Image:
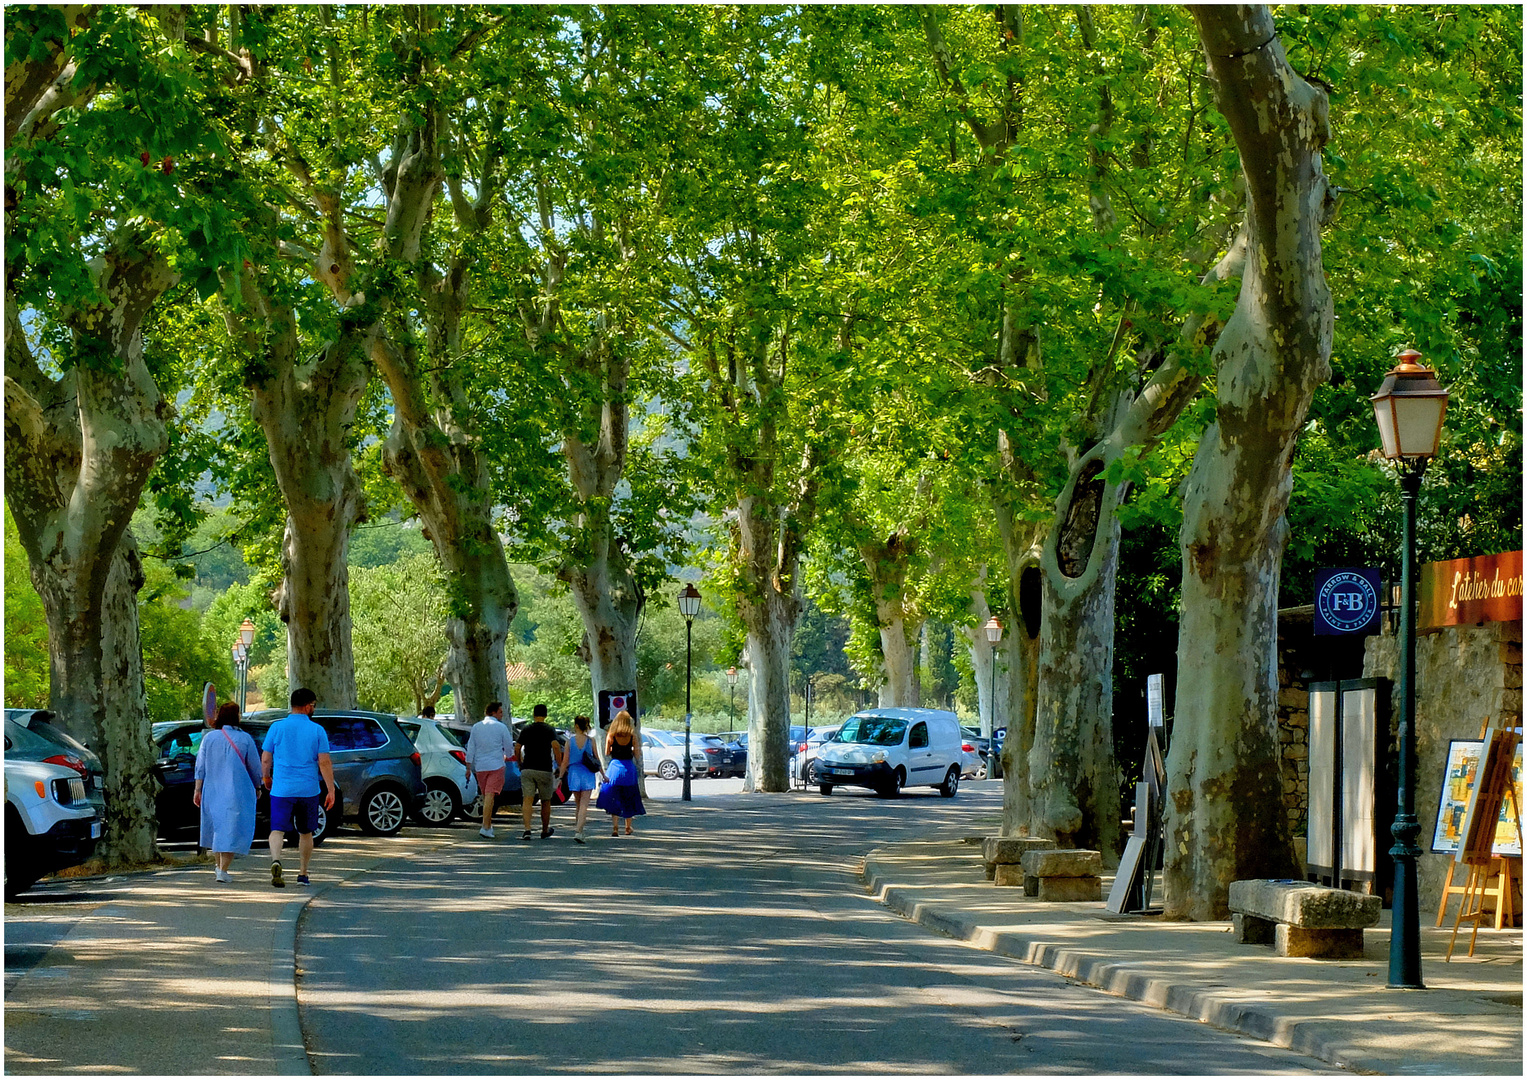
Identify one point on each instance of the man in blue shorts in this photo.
(296, 754)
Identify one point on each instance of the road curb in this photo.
(1124, 980)
(287, 1045)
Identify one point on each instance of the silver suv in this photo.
(49, 821)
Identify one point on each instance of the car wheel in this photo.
(811, 773)
(383, 811)
(328, 820)
(825, 789)
(440, 806)
(668, 770)
(951, 783)
(474, 812)
(893, 789)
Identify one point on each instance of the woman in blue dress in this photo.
(228, 775)
(580, 778)
(621, 798)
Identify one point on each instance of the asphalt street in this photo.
(728, 936)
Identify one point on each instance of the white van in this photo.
(889, 749)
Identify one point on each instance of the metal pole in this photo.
(1405, 924)
(689, 627)
(993, 758)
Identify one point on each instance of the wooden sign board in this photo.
(1457, 784)
(1492, 783)
(1462, 592)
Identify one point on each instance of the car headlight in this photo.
(878, 758)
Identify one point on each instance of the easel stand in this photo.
(1492, 788)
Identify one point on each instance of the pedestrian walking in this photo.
(540, 756)
(489, 748)
(296, 758)
(228, 778)
(621, 797)
(581, 769)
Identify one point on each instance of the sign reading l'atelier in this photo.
(1461, 592)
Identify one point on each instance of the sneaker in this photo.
(547, 832)
(525, 835)
(577, 838)
(485, 832)
(276, 880)
(302, 879)
(221, 875)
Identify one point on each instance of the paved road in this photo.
(731, 936)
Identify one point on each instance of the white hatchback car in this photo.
(451, 787)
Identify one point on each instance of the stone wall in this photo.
(1464, 674)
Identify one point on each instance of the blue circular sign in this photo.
(1347, 600)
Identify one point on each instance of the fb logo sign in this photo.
(1346, 601)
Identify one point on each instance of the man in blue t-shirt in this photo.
(295, 756)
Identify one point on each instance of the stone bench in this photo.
(1299, 918)
(1003, 856)
(1065, 874)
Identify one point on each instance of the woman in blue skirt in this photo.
(621, 798)
(581, 767)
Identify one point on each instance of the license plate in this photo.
(841, 772)
(95, 830)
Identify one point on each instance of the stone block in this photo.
(1007, 874)
(1066, 862)
(1030, 885)
(1250, 930)
(1303, 905)
(1070, 889)
(1011, 849)
(991, 870)
(1319, 944)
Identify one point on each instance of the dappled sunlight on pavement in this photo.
(1469, 1020)
(730, 935)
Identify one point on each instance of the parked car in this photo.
(49, 821)
(376, 766)
(721, 759)
(376, 769)
(61, 749)
(806, 751)
(888, 749)
(974, 748)
(451, 786)
(663, 755)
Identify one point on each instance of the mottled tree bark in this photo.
(887, 562)
(1225, 818)
(78, 452)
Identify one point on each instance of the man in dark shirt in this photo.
(540, 760)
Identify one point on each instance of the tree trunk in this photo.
(78, 452)
(609, 601)
(767, 556)
(898, 646)
(769, 622)
(1225, 818)
(1022, 549)
(1074, 779)
(306, 409)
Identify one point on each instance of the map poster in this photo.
(1457, 782)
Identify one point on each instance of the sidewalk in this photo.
(172, 973)
(1468, 1021)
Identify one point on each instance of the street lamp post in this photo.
(993, 628)
(1409, 408)
(689, 607)
(731, 679)
(246, 640)
(240, 665)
